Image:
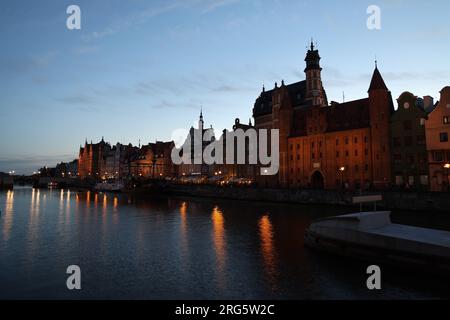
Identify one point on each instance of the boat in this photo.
(113, 186)
(371, 236)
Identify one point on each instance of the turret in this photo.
(314, 89)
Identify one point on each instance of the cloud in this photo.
(143, 16)
(81, 50)
(28, 164)
(25, 64)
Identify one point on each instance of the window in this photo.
(421, 140)
(397, 158)
(446, 120)
(337, 154)
(356, 153)
(422, 122)
(298, 157)
(397, 142)
(398, 180)
(443, 137)
(408, 141)
(366, 152)
(346, 153)
(424, 180)
(337, 142)
(406, 105)
(407, 125)
(356, 140)
(346, 140)
(438, 156)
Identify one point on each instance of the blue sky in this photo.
(142, 69)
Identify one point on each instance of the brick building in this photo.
(408, 143)
(91, 157)
(437, 129)
(327, 145)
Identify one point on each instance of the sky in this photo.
(140, 70)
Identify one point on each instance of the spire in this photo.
(312, 44)
(377, 82)
(264, 88)
(200, 121)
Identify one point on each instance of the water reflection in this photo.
(8, 219)
(267, 249)
(183, 227)
(219, 244)
(33, 222)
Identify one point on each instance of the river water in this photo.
(180, 248)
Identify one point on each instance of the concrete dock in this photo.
(372, 236)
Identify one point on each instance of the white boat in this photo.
(110, 186)
(372, 236)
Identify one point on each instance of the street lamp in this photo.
(447, 167)
(342, 170)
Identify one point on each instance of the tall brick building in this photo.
(327, 145)
(90, 158)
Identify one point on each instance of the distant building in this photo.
(327, 146)
(154, 161)
(193, 168)
(437, 129)
(66, 169)
(91, 158)
(408, 143)
(235, 170)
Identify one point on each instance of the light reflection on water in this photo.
(170, 248)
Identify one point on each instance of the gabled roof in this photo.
(377, 82)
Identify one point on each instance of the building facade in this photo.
(437, 129)
(408, 144)
(327, 146)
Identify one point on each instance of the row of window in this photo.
(356, 170)
(409, 141)
(407, 124)
(346, 141)
(440, 156)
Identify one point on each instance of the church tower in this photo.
(201, 123)
(314, 89)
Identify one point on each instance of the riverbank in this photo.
(392, 200)
(414, 201)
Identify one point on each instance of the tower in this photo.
(200, 121)
(381, 108)
(314, 89)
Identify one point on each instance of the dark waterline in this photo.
(175, 248)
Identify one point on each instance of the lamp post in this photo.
(342, 170)
(447, 169)
(154, 160)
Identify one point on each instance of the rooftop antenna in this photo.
(343, 96)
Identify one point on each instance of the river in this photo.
(181, 248)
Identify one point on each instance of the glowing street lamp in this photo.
(447, 167)
(342, 170)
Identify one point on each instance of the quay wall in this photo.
(418, 201)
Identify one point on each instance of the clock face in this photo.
(406, 105)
